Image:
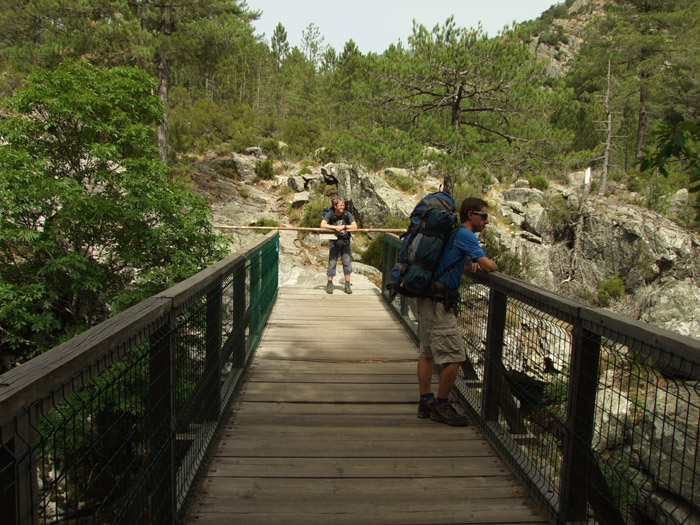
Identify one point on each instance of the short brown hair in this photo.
(471, 204)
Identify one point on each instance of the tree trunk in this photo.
(608, 140)
(163, 61)
(642, 124)
(578, 233)
(449, 183)
(162, 128)
(450, 178)
(456, 114)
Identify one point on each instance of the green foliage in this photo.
(508, 262)
(264, 169)
(553, 36)
(326, 155)
(200, 125)
(379, 147)
(610, 289)
(649, 72)
(263, 221)
(313, 211)
(562, 214)
(539, 182)
(676, 143)
(374, 253)
(558, 10)
(556, 392)
(93, 225)
(301, 135)
(399, 180)
(271, 147)
(463, 190)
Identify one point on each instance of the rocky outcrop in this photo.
(372, 197)
(642, 247)
(234, 166)
(657, 260)
(666, 441)
(305, 179)
(638, 244)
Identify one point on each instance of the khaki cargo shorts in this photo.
(439, 334)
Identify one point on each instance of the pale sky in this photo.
(375, 24)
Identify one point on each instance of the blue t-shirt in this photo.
(465, 243)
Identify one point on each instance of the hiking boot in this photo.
(329, 287)
(425, 409)
(347, 287)
(445, 413)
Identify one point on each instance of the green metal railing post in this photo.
(255, 276)
(579, 467)
(18, 475)
(239, 316)
(493, 365)
(585, 356)
(212, 394)
(162, 418)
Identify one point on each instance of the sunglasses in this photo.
(484, 215)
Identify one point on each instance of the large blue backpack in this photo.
(432, 222)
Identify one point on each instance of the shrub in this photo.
(326, 155)
(301, 135)
(263, 221)
(202, 124)
(549, 38)
(270, 147)
(610, 289)
(508, 262)
(373, 254)
(538, 182)
(264, 169)
(312, 211)
(462, 191)
(402, 182)
(561, 213)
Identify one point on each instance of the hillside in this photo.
(303, 258)
(626, 258)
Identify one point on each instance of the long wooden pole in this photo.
(300, 229)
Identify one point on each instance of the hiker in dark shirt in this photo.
(440, 338)
(340, 221)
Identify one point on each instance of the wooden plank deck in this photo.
(325, 431)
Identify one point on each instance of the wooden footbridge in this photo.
(325, 430)
(231, 399)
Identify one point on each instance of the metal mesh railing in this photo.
(114, 425)
(597, 414)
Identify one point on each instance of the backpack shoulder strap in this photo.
(453, 238)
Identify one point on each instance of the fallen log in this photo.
(301, 229)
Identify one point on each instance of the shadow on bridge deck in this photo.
(325, 431)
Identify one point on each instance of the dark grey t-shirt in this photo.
(346, 218)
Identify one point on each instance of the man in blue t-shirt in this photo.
(440, 338)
